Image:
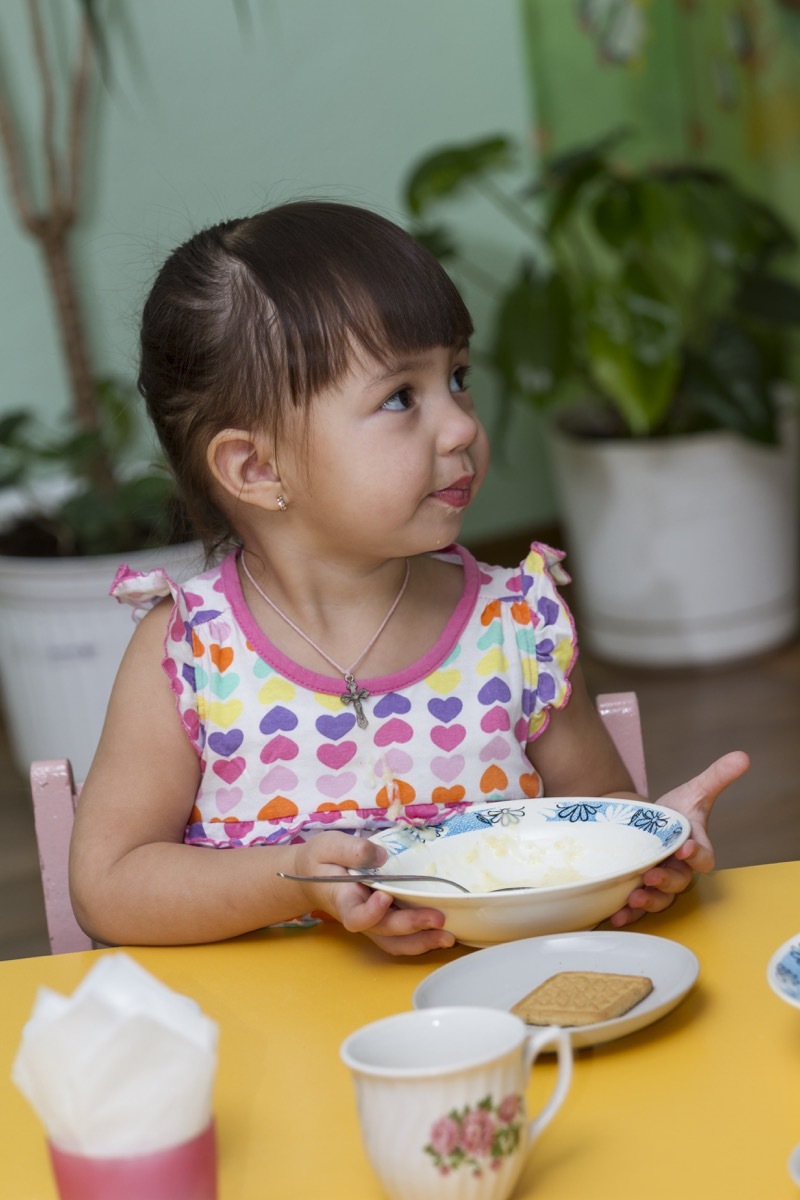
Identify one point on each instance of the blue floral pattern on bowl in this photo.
(662, 823)
(783, 971)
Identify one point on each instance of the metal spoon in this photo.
(385, 878)
(369, 876)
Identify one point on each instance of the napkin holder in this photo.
(187, 1171)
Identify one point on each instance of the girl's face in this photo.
(392, 457)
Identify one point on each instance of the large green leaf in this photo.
(772, 234)
(139, 506)
(565, 178)
(567, 197)
(12, 476)
(769, 298)
(632, 340)
(532, 345)
(740, 231)
(560, 169)
(438, 239)
(724, 386)
(117, 404)
(617, 212)
(639, 214)
(12, 425)
(446, 171)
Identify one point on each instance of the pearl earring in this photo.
(282, 505)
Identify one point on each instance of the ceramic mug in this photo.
(441, 1099)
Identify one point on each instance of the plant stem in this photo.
(60, 273)
(515, 212)
(483, 279)
(51, 226)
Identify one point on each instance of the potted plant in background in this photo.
(648, 308)
(79, 503)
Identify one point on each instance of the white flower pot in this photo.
(61, 641)
(684, 550)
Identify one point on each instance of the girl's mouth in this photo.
(457, 494)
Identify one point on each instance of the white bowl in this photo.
(571, 861)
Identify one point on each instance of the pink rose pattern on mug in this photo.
(476, 1138)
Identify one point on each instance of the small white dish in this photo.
(783, 971)
(794, 1165)
(501, 975)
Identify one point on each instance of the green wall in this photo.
(327, 98)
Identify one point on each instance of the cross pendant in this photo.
(354, 695)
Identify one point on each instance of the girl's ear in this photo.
(243, 464)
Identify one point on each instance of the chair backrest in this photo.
(55, 797)
(620, 713)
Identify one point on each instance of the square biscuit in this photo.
(582, 998)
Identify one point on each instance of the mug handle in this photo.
(555, 1036)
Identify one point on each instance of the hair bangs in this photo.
(337, 279)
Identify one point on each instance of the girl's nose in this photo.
(459, 425)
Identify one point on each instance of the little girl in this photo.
(345, 665)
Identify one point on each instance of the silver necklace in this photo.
(355, 694)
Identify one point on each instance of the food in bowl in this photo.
(571, 862)
(534, 858)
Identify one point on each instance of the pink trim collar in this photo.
(383, 683)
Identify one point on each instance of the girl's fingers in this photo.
(697, 796)
(398, 922)
(660, 885)
(362, 910)
(413, 943)
(671, 876)
(643, 900)
(336, 852)
(697, 854)
(358, 907)
(625, 916)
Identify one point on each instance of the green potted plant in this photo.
(78, 502)
(648, 311)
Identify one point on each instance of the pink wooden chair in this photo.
(55, 797)
(620, 713)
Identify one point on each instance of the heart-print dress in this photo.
(281, 753)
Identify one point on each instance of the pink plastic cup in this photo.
(184, 1172)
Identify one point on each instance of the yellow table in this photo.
(703, 1103)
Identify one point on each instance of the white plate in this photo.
(794, 1165)
(501, 975)
(783, 971)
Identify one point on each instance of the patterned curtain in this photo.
(716, 82)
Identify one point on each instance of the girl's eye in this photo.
(399, 401)
(458, 379)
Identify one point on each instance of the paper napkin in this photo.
(123, 1066)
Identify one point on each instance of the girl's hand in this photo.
(695, 799)
(359, 908)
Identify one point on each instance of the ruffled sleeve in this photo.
(142, 589)
(545, 635)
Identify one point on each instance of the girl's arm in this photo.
(134, 881)
(575, 755)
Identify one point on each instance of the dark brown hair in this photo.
(253, 317)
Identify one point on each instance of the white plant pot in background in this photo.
(684, 550)
(61, 641)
